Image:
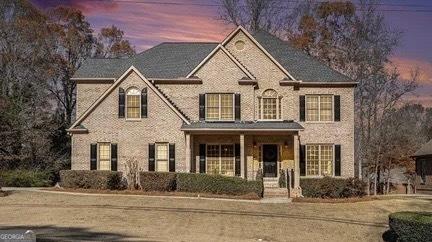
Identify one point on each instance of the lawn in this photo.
(59, 217)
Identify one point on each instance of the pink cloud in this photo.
(407, 65)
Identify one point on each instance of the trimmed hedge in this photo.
(25, 178)
(158, 181)
(329, 187)
(217, 184)
(411, 226)
(91, 179)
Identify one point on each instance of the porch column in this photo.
(188, 153)
(296, 161)
(242, 156)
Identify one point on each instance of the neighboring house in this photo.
(250, 102)
(423, 159)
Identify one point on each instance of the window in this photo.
(319, 108)
(219, 106)
(104, 156)
(220, 159)
(269, 105)
(133, 100)
(161, 157)
(319, 160)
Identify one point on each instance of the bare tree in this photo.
(112, 45)
(132, 173)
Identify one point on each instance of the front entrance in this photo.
(270, 158)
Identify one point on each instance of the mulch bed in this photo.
(333, 200)
(155, 193)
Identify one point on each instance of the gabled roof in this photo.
(425, 150)
(115, 84)
(164, 61)
(171, 60)
(302, 66)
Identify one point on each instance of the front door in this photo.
(270, 157)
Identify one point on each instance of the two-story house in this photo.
(248, 103)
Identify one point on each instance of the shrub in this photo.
(282, 178)
(217, 184)
(91, 179)
(411, 226)
(25, 178)
(158, 181)
(329, 187)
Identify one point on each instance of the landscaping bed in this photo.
(333, 200)
(26, 178)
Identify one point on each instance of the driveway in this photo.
(63, 217)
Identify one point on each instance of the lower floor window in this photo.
(162, 157)
(104, 156)
(220, 159)
(319, 160)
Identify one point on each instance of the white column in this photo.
(242, 156)
(188, 153)
(296, 161)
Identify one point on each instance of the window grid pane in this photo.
(213, 159)
(227, 160)
(312, 106)
(326, 160)
(269, 108)
(312, 160)
(212, 104)
(326, 108)
(104, 156)
(227, 107)
(133, 106)
(161, 157)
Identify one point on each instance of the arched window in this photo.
(133, 102)
(269, 105)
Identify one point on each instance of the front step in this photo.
(271, 182)
(275, 192)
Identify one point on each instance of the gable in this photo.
(134, 74)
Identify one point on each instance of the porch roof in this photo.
(285, 125)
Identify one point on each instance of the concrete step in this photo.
(275, 192)
(271, 184)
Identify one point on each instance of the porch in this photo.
(244, 149)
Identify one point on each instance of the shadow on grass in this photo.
(390, 236)
(214, 212)
(54, 233)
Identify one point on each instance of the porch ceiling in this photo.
(270, 126)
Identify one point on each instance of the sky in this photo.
(149, 22)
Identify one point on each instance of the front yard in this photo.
(55, 216)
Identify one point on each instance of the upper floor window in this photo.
(219, 106)
(319, 108)
(133, 103)
(270, 105)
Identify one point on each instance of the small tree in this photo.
(132, 173)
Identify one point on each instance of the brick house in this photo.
(248, 103)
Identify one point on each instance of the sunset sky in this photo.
(149, 22)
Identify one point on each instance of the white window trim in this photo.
(156, 155)
(219, 108)
(98, 154)
(220, 156)
(126, 103)
(319, 161)
(319, 108)
(261, 108)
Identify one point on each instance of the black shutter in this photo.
(337, 160)
(114, 157)
(237, 107)
(93, 156)
(202, 161)
(337, 114)
(237, 159)
(202, 107)
(151, 157)
(144, 103)
(302, 108)
(172, 157)
(121, 107)
(302, 160)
